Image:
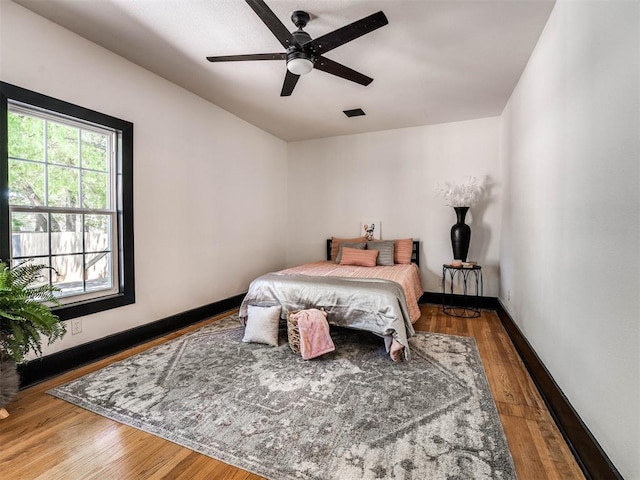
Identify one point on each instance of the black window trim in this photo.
(126, 289)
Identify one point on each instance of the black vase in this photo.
(460, 235)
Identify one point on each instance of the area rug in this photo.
(351, 414)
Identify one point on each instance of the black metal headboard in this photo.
(415, 254)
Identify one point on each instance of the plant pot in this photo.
(9, 381)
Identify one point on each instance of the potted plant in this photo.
(25, 320)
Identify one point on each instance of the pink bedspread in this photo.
(407, 275)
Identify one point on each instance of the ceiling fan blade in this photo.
(272, 22)
(335, 68)
(290, 81)
(347, 33)
(254, 56)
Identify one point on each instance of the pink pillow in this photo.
(335, 244)
(363, 258)
(403, 250)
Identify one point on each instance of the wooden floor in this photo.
(48, 438)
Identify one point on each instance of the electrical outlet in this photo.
(508, 295)
(76, 326)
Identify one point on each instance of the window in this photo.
(66, 178)
(62, 200)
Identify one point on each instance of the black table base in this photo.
(465, 304)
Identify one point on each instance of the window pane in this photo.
(45, 272)
(26, 183)
(97, 236)
(26, 137)
(30, 235)
(95, 186)
(95, 150)
(68, 274)
(62, 144)
(67, 236)
(63, 187)
(98, 268)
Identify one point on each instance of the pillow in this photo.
(363, 258)
(403, 250)
(359, 246)
(262, 325)
(335, 244)
(385, 247)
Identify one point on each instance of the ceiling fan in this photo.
(304, 53)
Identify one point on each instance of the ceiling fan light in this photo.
(299, 66)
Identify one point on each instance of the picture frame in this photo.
(371, 229)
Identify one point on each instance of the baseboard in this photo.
(593, 461)
(49, 366)
(489, 303)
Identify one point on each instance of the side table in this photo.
(469, 280)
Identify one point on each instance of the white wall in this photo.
(336, 182)
(201, 173)
(570, 253)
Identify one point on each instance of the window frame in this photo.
(124, 194)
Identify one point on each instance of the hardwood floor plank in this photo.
(522, 411)
(505, 385)
(86, 461)
(528, 463)
(201, 467)
(158, 457)
(555, 447)
(47, 438)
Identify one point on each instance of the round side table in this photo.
(465, 300)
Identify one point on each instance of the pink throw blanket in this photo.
(314, 333)
(394, 348)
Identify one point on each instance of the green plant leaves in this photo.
(24, 316)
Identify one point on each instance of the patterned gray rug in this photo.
(351, 414)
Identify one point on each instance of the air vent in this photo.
(356, 112)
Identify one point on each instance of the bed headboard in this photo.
(415, 254)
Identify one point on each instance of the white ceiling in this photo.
(435, 62)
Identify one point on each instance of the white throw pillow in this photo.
(262, 325)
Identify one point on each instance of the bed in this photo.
(379, 299)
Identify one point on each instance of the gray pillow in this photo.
(358, 245)
(385, 249)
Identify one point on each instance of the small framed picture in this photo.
(371, 229)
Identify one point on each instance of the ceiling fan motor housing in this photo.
(298, 51)
(301, 37)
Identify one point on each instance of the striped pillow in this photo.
(359, 246)
(403, 250)
(363, 258)
(385, 247)
(335, 244)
